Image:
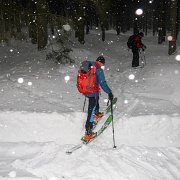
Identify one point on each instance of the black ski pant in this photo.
(135, 61)
(93, 108)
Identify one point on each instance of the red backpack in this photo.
(86, 79)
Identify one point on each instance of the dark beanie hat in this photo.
(101, 59)
(141, 34)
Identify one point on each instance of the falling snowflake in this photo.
(20, 80)
(103, 67)
(131, 76)
(67, 27)
(178, 57)
(139, 12)
(79, 18)
(30, 83)
(106, 100)
(67, 78)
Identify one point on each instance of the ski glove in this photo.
(110, 96)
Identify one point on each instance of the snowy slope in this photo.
(41, 117)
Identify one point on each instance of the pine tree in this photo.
(103, 8)
(59, 50)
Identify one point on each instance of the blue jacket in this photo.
(100, 78)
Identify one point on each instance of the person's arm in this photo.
(102, 81)
(142, 45)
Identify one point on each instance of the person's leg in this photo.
(91, 110)
(97, 105)
(135, 61)
(97, 114)
(137, 56)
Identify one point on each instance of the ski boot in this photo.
(89, 135)
(98, 116)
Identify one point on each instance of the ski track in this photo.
(127, 162)
(123, 162)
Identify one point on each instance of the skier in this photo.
(93, 106)
(135, 43)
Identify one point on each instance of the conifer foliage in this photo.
(36, 18)
(59, 46)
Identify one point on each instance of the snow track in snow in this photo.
(147, 148)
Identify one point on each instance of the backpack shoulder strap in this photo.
(97, 66)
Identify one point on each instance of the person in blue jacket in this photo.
(93, 107)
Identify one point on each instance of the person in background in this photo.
(135, 44)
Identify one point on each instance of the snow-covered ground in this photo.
(41, 114)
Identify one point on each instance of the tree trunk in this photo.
(32, 21)
(136, 24)
(33, 28)
(178, 19)
(87, 28)
(103, 32)
(161, 26)
(154, 23)
(123, 22)
(80, 20)
(118, 28)
(42, 35)
(173, 27)
(146, 18)
(87, 17)
(2, 28)
(81, 32)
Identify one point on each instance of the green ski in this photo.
(101, 130)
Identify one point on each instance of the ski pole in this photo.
(108, 103)
(140, 56)
(144, 58)
(112, 124)
(84, 103)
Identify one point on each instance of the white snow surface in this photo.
(41, 114)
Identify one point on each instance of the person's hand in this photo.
(110, 96)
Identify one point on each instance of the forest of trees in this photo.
(41, 17)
